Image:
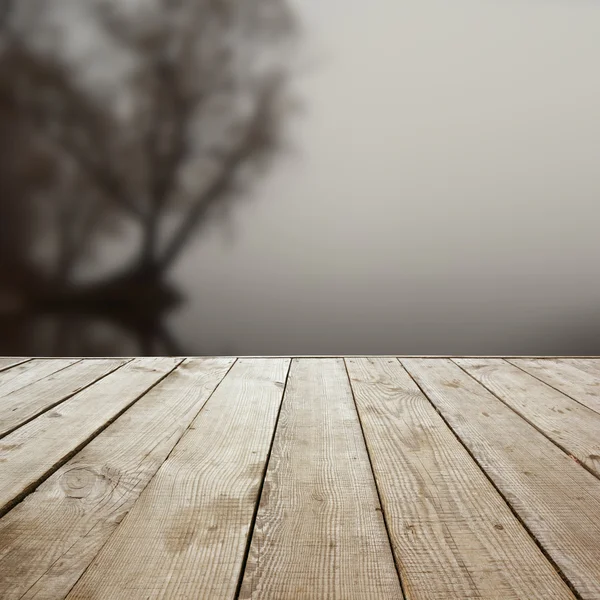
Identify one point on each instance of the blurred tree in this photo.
(197, 115)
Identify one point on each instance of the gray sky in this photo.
(444, 194)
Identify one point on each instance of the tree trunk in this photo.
(147, 266)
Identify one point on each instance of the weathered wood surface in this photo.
(572, 426)
(32, 452)
(27, 402)
(574, 381)
(557, 499)
(6, 363)
(65, 522)
(260, 477)
(443, 514)
(319, 530)
(186, 535)
(591, 365)
(25, 374)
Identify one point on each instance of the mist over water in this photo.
(438, 192)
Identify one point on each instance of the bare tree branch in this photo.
(74, 115)
(143, 145)
(255, 140)
(102, 178)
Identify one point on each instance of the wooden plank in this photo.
(16, 371)
(25, 374)
(186, 535)
(453, 535)
(7, 363)
(590, 365)
(557, 499)
(66, 521)
(32, 452)
(574, 427)
(576, 383)
(319, 531)
(24, 404)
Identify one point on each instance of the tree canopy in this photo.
(161, 118)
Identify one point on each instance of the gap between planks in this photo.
(30, 454)
(565, 527)
(7, 363)
(363, 433)
(27, 403)
(571, 426)
(443, 514)
(67, 520)
(377, 488)
(577, 390)
(319, 531)
(187, 533)
(261, 488)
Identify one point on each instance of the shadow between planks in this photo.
(310, 477)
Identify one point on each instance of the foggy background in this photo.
(428, 184)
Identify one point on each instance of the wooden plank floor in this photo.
(300, 478)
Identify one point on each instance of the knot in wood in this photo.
(79, 482)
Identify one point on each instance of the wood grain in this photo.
(65, 522)
(574, 427)
(34, 451)
(7, 363)
(319, 530)
(186, 535)
(579, 384)
(557, 499)
(591, 365)
(122, 509)
(23, 375)
(25, 403)
(444, 516)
